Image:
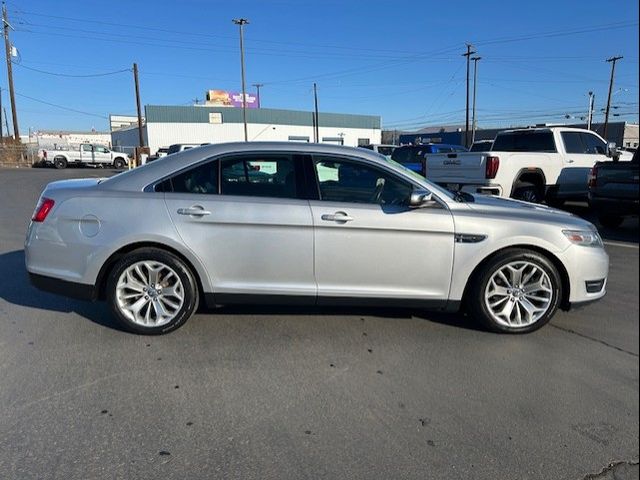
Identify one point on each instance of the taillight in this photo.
(44, 154)
(42, 209)
(593, 176)
(492, 165)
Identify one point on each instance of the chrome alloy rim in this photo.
(149, 293)
(518, 294)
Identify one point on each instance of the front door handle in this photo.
(195, 211)
(570, 161)
(340, 217)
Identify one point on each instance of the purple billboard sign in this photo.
(223, 98)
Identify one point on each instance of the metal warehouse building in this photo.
(167, 125)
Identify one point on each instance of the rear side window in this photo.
(201, 179)
(525, 142)
(259, 176)
(593, 144)
(573, 142)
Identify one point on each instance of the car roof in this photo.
(140, 177)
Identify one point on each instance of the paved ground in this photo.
(305, 393)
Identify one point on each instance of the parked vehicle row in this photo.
(311, 224)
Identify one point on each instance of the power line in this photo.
(62, 107)
(56, 74)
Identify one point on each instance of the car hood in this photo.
(503, 207)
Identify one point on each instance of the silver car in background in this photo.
(305, 224)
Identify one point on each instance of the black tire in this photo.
(610, 221)
(527, 192)
(60, 163)
(475, 301)
(119, 163)
(190, 289)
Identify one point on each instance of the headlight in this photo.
(585, 238)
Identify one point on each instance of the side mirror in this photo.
(421, 198)
(612, 150)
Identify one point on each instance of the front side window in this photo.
(201, 179)
(87, 148)
(593, 144)
(352, 182)
(259, 176)
(573, 142)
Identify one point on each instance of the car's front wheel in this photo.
(516, 291)
(152, 291)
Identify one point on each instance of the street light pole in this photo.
(475, 81)
(258, 85)
(590, 114)
(466, 130)
(241, 22)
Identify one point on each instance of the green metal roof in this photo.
(268, 116)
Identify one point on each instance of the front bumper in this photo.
(586, 267)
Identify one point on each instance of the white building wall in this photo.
(165, 134)
(126, 139)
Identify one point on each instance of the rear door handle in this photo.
(195, 211)
(336, 217)
(570, 161)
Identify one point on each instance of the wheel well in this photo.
(564, 275)
(103, 275)
(534, 177)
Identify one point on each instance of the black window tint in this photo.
(573, 142)
(201, 179)
(163, 186)
(352, 182)
(593, 144)
(259, 176)
(525, 142)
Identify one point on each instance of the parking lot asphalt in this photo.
(305, 393)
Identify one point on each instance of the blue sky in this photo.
(401, 60)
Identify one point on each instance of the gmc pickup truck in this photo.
(614, 191)
(531, 164)
(87, 154)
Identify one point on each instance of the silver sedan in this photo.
(306, 224)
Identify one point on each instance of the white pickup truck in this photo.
(87, 154)
(531, 164)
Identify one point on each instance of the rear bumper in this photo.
(481, 188)
(80, 291)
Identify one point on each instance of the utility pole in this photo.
(475, 81)
(6, 121)
(315, 110)
(590, 114)
(241, 22)
(138, 105)
(612, 61)
(1, 129)
(470, 52)
(258, 85)
(12, 95)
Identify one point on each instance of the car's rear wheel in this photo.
(152, 291)
(119, 163)
(516, 291)
(60, 162)
(528, 192)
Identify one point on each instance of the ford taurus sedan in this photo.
(310, 224)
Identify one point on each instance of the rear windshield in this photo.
(524, 142)
(173, 149)
(405, 155)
